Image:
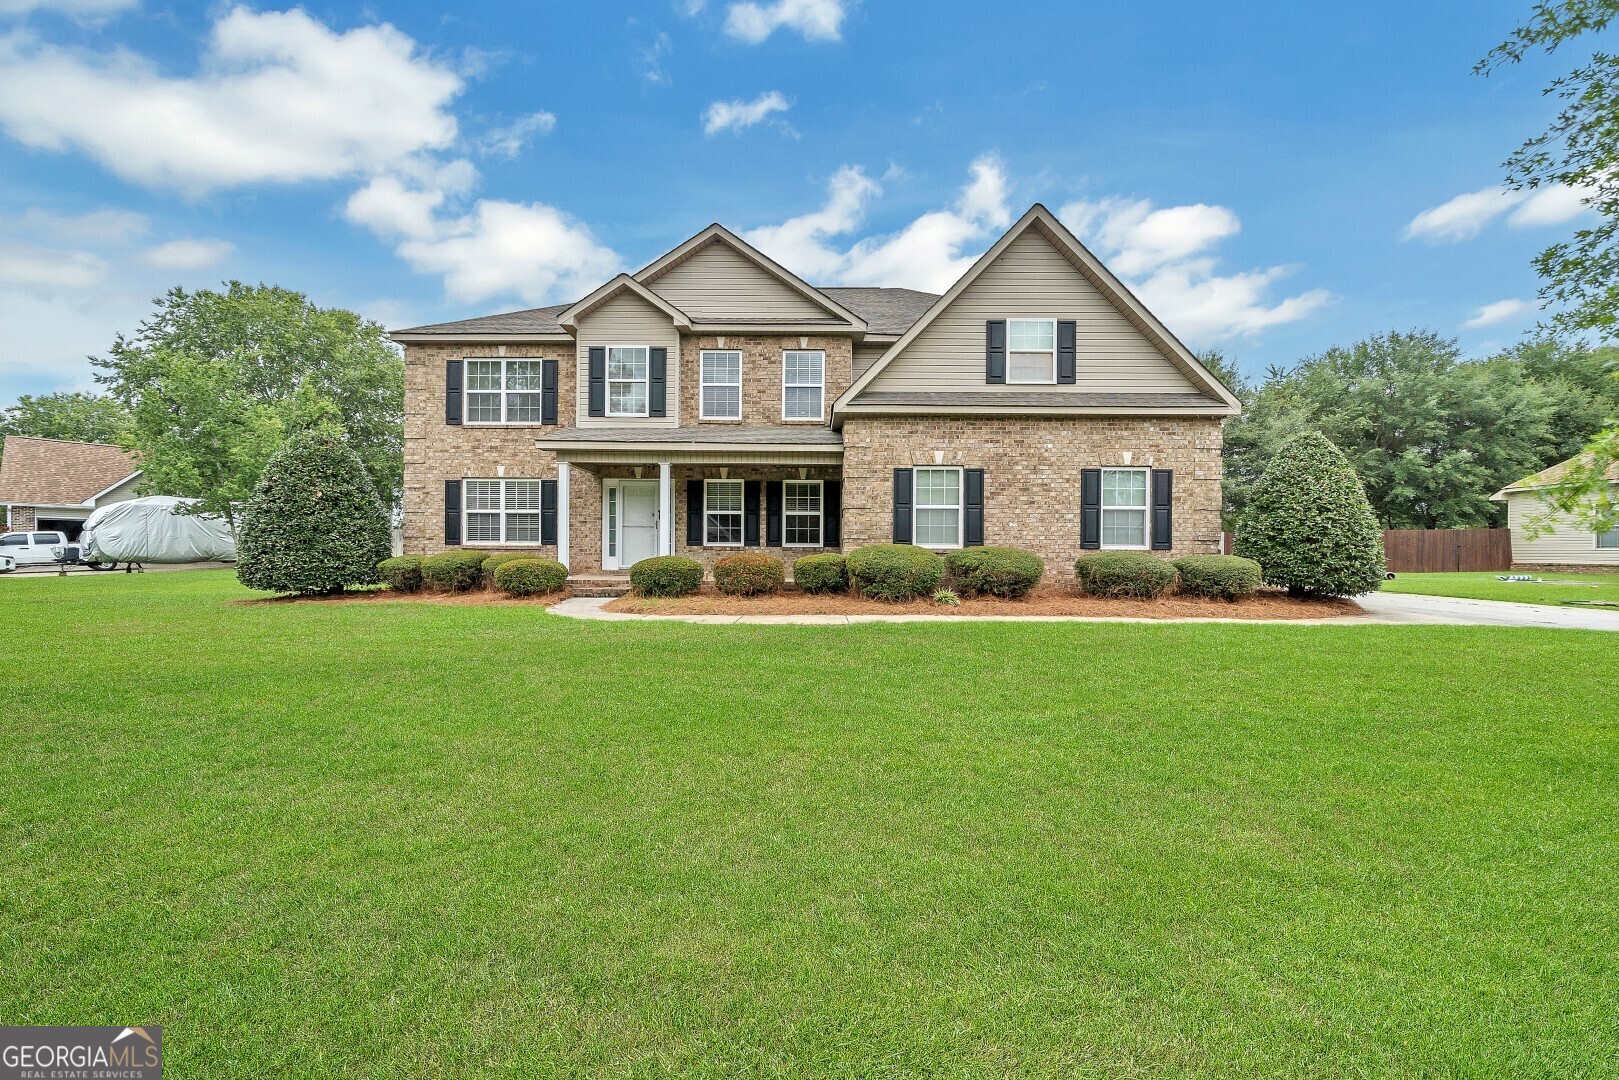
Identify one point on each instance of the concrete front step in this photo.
(598, 585)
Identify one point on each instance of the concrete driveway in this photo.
(1411, 608)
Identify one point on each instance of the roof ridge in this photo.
(76, 442)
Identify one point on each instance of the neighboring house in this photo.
(1560, 540)
(56, 483)
(714, 402)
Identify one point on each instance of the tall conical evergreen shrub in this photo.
(314, 524)
(1308, 524)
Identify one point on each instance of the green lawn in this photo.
(1489, 587)
(430, 840)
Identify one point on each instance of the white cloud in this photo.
(816, 20)
(1466, 215)
(81, 10)
(740, 115)
(1165, 257)
(280, 98)
(509, 140)
(46, 271)
(188, 254)
(1499, 312)
(94, 227)
(652, 56)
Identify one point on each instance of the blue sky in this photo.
(1272, 178)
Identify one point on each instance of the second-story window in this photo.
(626, 380)
(722, 384)
(504, 391)
(1031, 350)
(803, 384)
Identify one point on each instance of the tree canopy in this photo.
(82, 417)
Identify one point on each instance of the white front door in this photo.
(637, 521)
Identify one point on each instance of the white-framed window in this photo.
(501, 511)
(627, 380)
(721, 378)
(803, 384)
(1609, 539)
(936, 510)
(801, 513)
(1124, 508)
(722, 513)
(612, 521)
(503, 391)
(1031, 350)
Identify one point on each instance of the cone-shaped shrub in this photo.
(314, 524)
(1308, 524)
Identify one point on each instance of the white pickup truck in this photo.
(28, 548)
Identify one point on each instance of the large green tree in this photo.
(83, 417)
(215, 381)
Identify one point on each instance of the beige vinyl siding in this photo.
(122, 493)
(865, 356)
(627, 319)
(1032, 279)
(1567, 542)
(718, 284)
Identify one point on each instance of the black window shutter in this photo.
(750, 512)
(452, 511)
(995, 351)
(1067, 347)
(694, 513)
(452, 391)
(548, 392)
(832, 514)
(1163, 524)
(972, 524)
(657, 381)
(773, 495)
(902, 506)
(598, 380)
(548, 511)
(1090, 508)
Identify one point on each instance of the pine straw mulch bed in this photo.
(1268, 604)
(385, 595)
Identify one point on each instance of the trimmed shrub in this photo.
(456, 570)
(824, 573)
(1218, 577)
(894, 571)
(314, 523)
(530, 577)
(994, 571)
(491, 563)
(666, 575)
(403, 574)
(1308, 524)
(749, 573)
(1124, 573)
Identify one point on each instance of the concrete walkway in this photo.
(1456, 611)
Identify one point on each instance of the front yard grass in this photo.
(381, 839)
(1597, 586)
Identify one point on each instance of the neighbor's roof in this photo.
(56, 472)
(1552, 474)
(886, 311)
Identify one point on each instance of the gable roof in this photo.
(569, 317)
(60, 472)
(530, 322)
(719, 234)
(1553, 473)
(1111, 288)
(886, 311)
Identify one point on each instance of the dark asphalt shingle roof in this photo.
(740, 436)
(1052, 399)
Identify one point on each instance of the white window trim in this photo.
(702, 383)
(1145, 508)
(820, 515)
(742, 514)
(646, 381)
(1010, 319)
(503, 393)
(502, 512)
(960, 506)
(820, 417)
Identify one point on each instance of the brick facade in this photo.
(22, 517)
(761, 375)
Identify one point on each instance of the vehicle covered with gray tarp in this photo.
(151, 530)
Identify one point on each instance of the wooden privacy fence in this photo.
(1439, 551)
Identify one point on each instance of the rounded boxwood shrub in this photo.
(314, 523)
(824, 573)
(491, 563)
(749, 573)
(894, 571)
(1218, 577)
(1308, 524)
(1124, 573)
(994, 571)
(524, 576)
(456, 570)
(666, 575)
(402, 574)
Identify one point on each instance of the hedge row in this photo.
(1138, 574)
(459, 570)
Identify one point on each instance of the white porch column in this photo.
(562, 513)
(666, 511)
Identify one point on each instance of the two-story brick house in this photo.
(714, 401)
